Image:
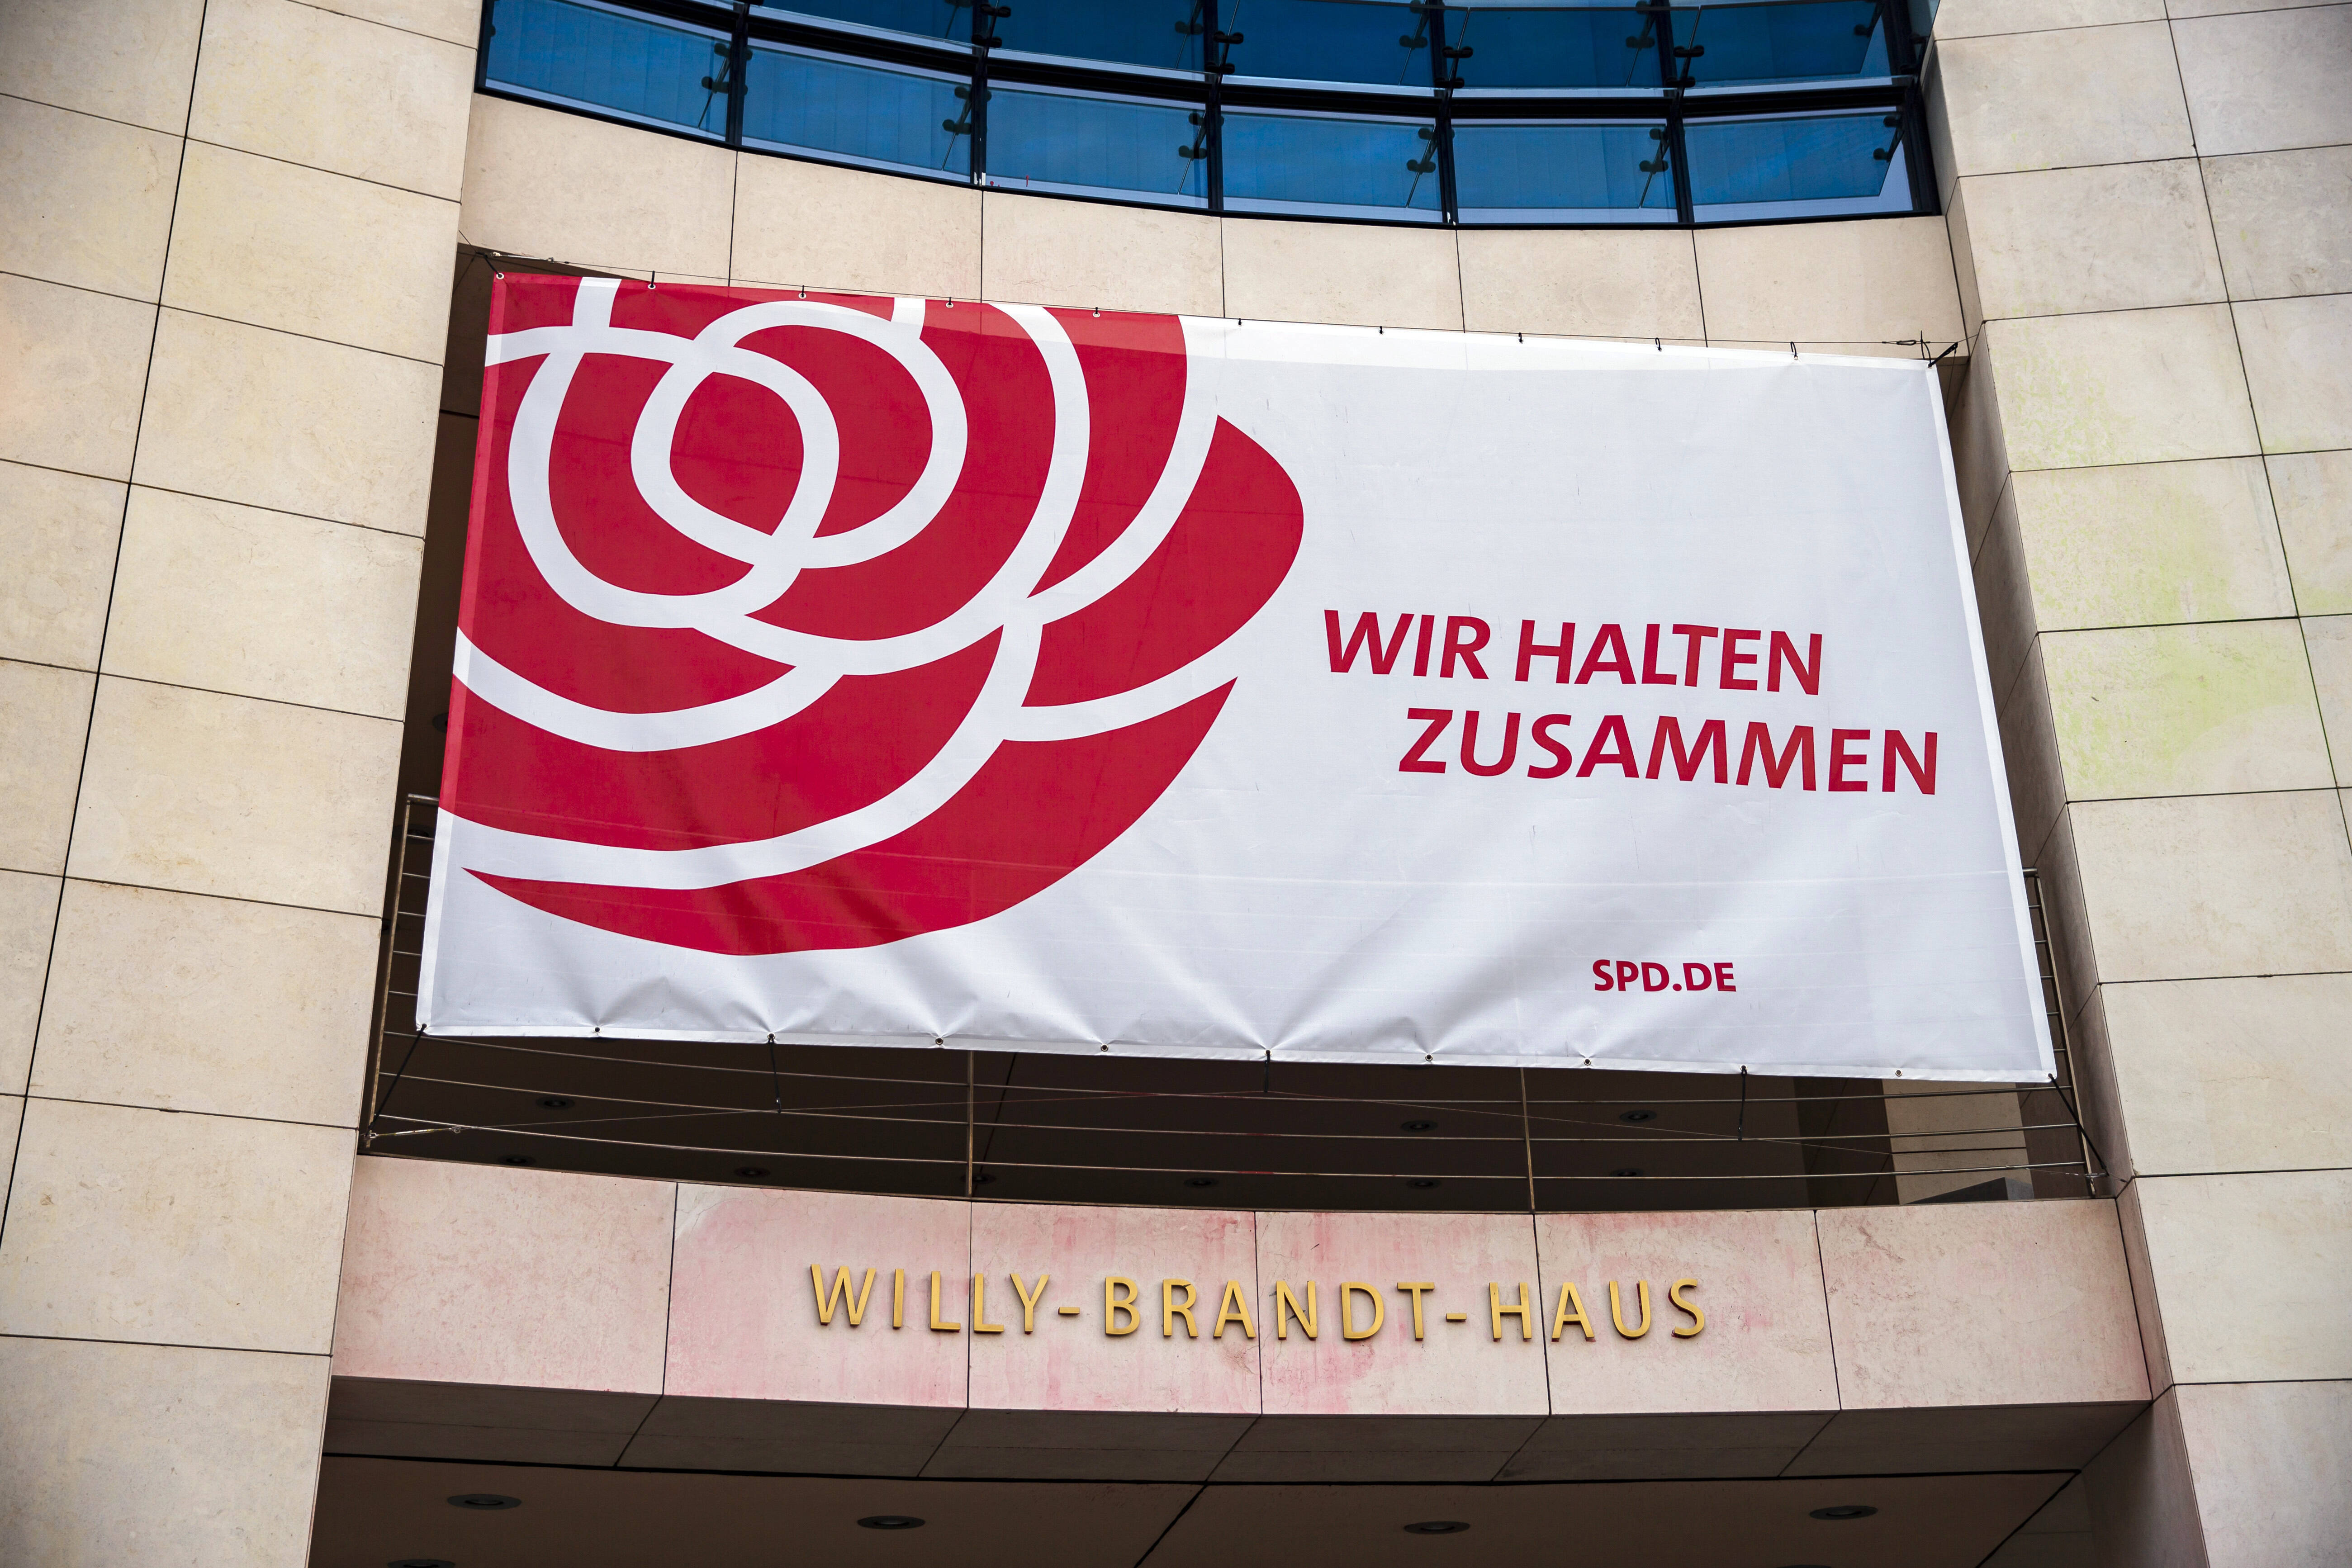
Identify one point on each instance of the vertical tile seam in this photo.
(1829, 1326)
(89, 724)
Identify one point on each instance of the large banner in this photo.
(899, 671)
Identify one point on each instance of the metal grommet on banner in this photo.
(1793, 351)
(803, 291)
(1097, 310)
(1659, 345)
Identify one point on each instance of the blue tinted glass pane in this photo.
(820, 104)
(1328, 40)
(1062, 141)
(590, 56)
(1812, 40)
(1541, 46)
(1381, 167)
(1592, 174)
(1796, 168)
(924, 19)
(1162, 33)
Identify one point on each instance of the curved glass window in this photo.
(1490, 112)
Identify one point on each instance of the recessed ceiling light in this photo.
(1637, 1116)
(1845, 1510)
(1436, 1527)
(982, 1178)
(1421, 1126)
(889, 1521)
(556, 1102)
(515, 1160)
(1626, 1171)
(1199, 1181)
(484, 1502)
(750, 1173)
(1423, 1182)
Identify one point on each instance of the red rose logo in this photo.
(798, 622)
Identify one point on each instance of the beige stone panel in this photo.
(1581, 283)
(2313, 492)
(1861, 284)
(2253, 1271)
(2185, 710)
(1370, 275)
(60, 531)
(2151, 544)
(2200, 887)
(368, 101)
(459, 1273)
(11, 1116)
(2262, 81)
(84, 201)
(543, 183)
(2283, 221)
(455, 21)
(880, 233)
(87, 355)
(1980, 447)
(1964, 265)
(2272, 1460)
(290, 423)
(208, 794)
(2044, 242)
(1043, 251)
(1985, 18)
(155, 1454)
(272, 244)
(1937, 1304)
(2029, 745)
(2328, 639)
(2143, 1497)
(264, 603)
(1947, 1137)
(136, 67)
(45, 713)
(2127, 386)
(2234, 1075)
(28, 911)
(2018, 102)
(2004, 597)
(137, 1225)
(269, 1006)
(2295, 368)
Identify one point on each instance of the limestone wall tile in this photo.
(1980, 447)
(270, 419)
(2206, 886)
(484, 1274)
(2029, 745)
(1459, 1369)
(740, 1329)
(1084, 253)
(275, 1004)
(84, 201)
(1964, 265)
(2294, 366)
(2270, 1460)
(768, 1435)
(2283, 221)
(333, 93)
(1945, 1304)
(2004, 597)
(87, 354)
(2142, 1494)
(2328, 639)
(2044, 242)
(2126, 386)
(1867, 284)
(2016, 101)
(2259, 82)
(540, 182)
(12, 1117)
(28, 914)
(264, 603)
(268, 242)
(2313, 492)
(202, 793)
(2185, 710)
(2252, 1270)
(1983, 18)
(884, 233)
(454, 21)
(1361, 274)
(497, 1422)
(61, 530)
(2234, 1075)
(138, 1224)
(2151, 544)
(1765, 1342)
(115, 1453)
(1581, 283)
(1169, 1362)
(136, 68)
(45, 713)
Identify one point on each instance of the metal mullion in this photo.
(1212, 109)
(1670, 80)
(1441, 142)
(738, 69)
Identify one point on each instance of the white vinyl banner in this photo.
(898, 672)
